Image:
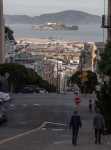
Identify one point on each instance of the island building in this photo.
(2, 34)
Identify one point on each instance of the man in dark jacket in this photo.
(75, 123)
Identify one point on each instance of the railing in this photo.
(106, 21)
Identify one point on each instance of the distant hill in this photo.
(69, 17)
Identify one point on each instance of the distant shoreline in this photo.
(86, 33)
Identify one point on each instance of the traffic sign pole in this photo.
(77, 101)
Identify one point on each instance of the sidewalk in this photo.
(86, 139)
(89, 96)
(85, 142)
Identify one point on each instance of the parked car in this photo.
(30, 89)
(3, 115)
(4, 96)
(26, 90)
(76, 92)
(62, 92)
(1, 101)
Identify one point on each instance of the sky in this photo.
(39, 7)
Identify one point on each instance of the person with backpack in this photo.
(75, 123)
(98, 124)
(90, 106)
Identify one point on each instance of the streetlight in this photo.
(57, 76)
(82, 84)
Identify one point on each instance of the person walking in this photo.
(98, 123)
(75, 123)
(90, 106)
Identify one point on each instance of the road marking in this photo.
(36, 104)
(63, 142)
(22, 134)
(57, 123)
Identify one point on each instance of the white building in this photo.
(9, 53)
(74, 62)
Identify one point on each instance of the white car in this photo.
(76, 92)
(4, 96)
(41, 90)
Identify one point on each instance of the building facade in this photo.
(106, 18)
(2, 33)
(109, 19)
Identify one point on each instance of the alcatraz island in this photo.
(54, 26)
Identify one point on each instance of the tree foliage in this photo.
(91, 83)
(17, 73)
(8, 28)
(104, 64)
(104, 104)
(104, 95)
(19, 76)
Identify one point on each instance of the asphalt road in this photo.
(36, 120)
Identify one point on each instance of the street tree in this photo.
(49, 87)
(17, 74)
(104, 95)
(32, 76)
(91, 83)
(104, 64)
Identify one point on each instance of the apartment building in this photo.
(48, 72)
(9, 52)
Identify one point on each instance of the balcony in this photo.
(106, 21)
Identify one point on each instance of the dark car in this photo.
(62, 92)
(30, 89)
(3, 115)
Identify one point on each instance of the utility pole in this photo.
(2, 35)
(57, 75)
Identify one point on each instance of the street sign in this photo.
(84, 74)
(85, 79)
(77, 100)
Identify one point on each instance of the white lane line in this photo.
(43, 129)
(36, 104)
(57, 129)
(57, 123)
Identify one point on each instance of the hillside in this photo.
(69, 17)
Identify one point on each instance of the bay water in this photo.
(88, 33)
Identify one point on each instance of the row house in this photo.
(48, 72)
(9, 52)
(43, 67)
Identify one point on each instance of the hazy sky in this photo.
(38, 7)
